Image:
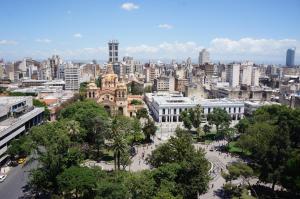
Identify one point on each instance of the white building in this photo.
(17, 116)
(255, 76)
(233, 74)
(72, 77)
(204, 57)
(246, 73)
(167, 107)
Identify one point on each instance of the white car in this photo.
(2, 177)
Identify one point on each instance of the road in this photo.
(15, 185)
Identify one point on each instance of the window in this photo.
(163, 111)
(116, 47)
(110, 47)
(208, 110)
(175, 111)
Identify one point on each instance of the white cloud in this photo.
(129, 6)
(249, 48)
(77, 35)
(8, 42)
(165, 26)
(141, 49)
(43, 41)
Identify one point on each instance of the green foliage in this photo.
(21, 94)
(220, 118)
(39, 103)
(84, 112)
(243, 125)
(273, 139)
(78, 181)
(187, 123)
(136, 102)
(141, 185)
(142, 113)
(135, 88)
(192, 169)
(51, 142)
(19, 147)
(148, 89)
(149, 130)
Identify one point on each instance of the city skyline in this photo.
(153, 30)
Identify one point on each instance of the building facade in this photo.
(72, 77)
(112, 94)
(290, 57)
(204, 57)
(167, 107)
(17, 116)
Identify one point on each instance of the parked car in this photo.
(2, 177)
(21, 160)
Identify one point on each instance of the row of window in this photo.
(209, 110)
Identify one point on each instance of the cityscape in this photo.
(147, 112)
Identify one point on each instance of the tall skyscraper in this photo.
(113, 51)
(72, 77)
(233, 74)
(203, 57)
(290, 57)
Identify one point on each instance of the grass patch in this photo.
(233, 148)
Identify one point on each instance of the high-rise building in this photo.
(246, 73)
(203, 57)
(255, 77)
(290, 57)
(72, 77)
(233, 74)
(113, 51)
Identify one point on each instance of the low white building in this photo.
(166, 107)
(17, 116)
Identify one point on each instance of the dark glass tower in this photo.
(290, 57)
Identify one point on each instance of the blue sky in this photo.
(259, 30)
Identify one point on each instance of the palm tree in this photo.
(119, 146)
(73, 128)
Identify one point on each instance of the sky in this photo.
(257, 30)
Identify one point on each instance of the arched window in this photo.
(90, 95)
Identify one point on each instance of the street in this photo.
(14, 186)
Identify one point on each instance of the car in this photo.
(2, 177)
(21, 160)
(211, 149)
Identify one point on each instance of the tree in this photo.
(219, 118)
(135, 134)
(84, 112)
(149, 130)
(242, 125)
(141, 185)
(269, 141)
(51, 143)
(100, 133)
(196, 116)
(192, 178)
(142, 113)
(206, 128)
(73, 128)
(186, 120)
(39, 103)
(148, 89)
(77, 181)
(239, 169)
(19, 147)
(119, 131)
